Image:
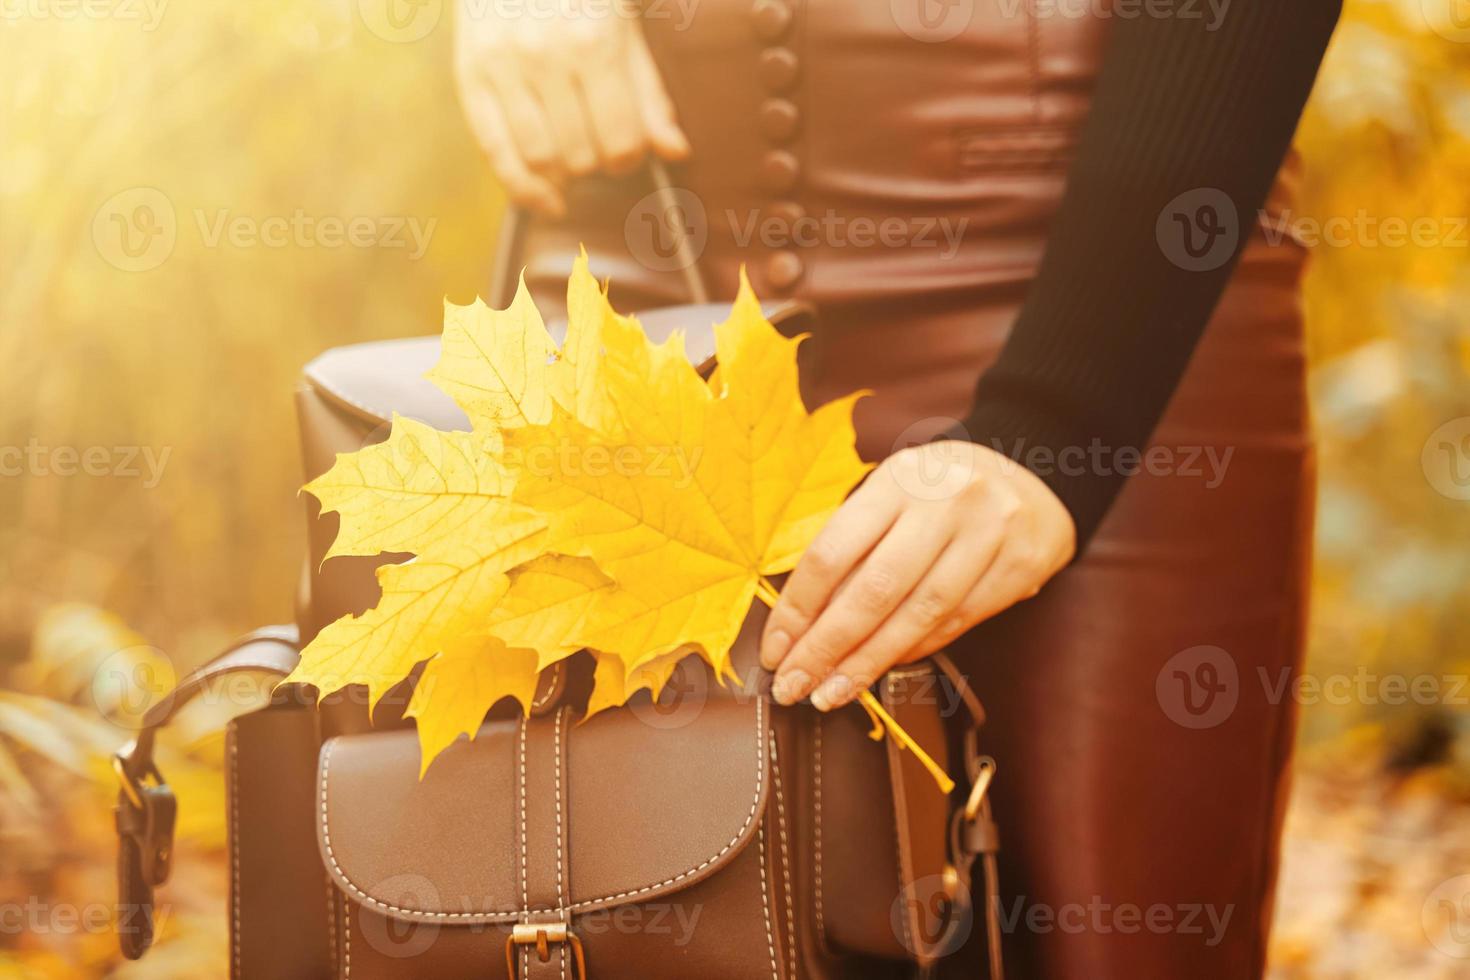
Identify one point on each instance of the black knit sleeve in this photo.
(1184, 118)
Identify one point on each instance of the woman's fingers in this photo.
(936, 608)
(898, 573)
(528, 125)
(567, 117)
(851, 533)
(883, 582)
(557, 97)
(493, 132)
(613, 110)
(654, 104)
(1013, 576)
(550, 72)
(1017, 573)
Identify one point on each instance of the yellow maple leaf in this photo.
(444, 497)
(607, 498)
(414, 490)
(544, 605)
(477, 668)
(700, 496)
(460, 684)
(496, 364)
(613, 683)
(604, 359)
(427, 604)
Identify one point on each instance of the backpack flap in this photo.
(546, 842)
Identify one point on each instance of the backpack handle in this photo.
(146, 807)
(510, 252)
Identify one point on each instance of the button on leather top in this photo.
(788, 213)
(777, 69)
(783, 269)
(779, 118)
(771, 18)
(779, 171)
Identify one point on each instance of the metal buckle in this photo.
(542, 935)
(951, 881)
(985, 772)
(131, 787)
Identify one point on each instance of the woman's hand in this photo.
(558, 91)
(938, 538)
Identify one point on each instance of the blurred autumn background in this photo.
(154, 515)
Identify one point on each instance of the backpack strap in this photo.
(973, 833)
(146, 807)
(509, 251)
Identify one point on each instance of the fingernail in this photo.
(833, 693)
(791, 686)
(775, 648)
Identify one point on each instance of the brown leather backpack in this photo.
(710, 834)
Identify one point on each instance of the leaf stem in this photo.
(765, 591)
(895, 731)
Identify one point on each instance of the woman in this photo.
(1031, 229)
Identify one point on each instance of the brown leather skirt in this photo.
(897, 164)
